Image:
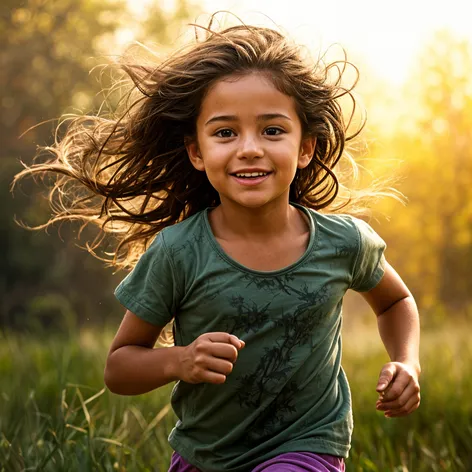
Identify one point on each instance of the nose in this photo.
(250, 148)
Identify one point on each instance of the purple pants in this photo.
(289, 462)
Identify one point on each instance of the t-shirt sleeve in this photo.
(149, 290)
(369, 265)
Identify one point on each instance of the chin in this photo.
(254, 200)
(254, 203)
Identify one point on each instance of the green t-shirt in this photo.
(287, 391)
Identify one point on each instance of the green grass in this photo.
(438, 436)
(56, 416)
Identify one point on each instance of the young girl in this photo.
(223, 164)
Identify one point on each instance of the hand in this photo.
(399, 390)
(209, 358)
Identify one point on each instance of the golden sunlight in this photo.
(384, 35)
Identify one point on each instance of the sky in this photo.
(387, 35)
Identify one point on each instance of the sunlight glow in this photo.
(385, 35)
(124, 36)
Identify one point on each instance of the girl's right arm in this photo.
(133, 365)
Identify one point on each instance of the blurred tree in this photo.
(433, 235)
(161, 26)
(44, 62)
(48, 49)
(45, 58)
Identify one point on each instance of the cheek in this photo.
(215, 156)
(215, 169)
(286, 155)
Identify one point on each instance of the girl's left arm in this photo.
(399, 328)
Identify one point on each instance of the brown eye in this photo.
(273, 131)
(224, 133)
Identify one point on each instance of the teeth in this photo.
(253, 174)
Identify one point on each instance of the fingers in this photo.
(211, 370)
(220, 366)
(225, 338)
(211, 377)
(396, 386)
(386, 377)
(223, 351)
(408, 408)
(223, 345)
(210, 358)
(402, 395)
(407, 402)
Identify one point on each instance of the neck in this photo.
(234, 221)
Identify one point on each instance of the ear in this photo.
(307, 149)
(194, 154)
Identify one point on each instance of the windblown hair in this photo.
(130, 174)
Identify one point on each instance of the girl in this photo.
(223, 164)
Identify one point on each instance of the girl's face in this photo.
(249, 141)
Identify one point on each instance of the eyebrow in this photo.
(265, 117)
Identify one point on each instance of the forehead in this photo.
(250, 94)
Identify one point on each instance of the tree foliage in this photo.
(432, 236)
(49, 49)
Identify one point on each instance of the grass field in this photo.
(55, 414)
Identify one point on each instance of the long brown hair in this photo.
(130, 174)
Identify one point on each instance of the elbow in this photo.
(108, 379)
(111, 379)
(116, 379)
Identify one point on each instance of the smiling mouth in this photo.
(250, 175)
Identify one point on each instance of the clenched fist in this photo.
(209, 358)
(399, 389)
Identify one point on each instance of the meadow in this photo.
(56, 415)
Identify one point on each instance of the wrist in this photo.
(413, 363)
(173, 367)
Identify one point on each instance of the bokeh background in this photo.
(57, 310)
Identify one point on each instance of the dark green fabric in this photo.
(288, 391)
